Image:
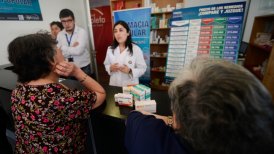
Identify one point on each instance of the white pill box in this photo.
(124, 99)
(146, 105)
(127, 89)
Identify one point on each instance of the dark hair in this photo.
(66, 13)
(129, 39)
(222, 108)
(32, 55)
(57, 23)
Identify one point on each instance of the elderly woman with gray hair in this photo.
(218, 108)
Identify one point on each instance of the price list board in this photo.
(212, 31)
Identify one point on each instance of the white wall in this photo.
(50, 12)
(254, 10)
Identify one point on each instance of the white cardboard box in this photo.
(124, 99)
(147, 105)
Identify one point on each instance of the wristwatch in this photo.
(169, 121)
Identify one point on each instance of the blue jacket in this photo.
(148, 135)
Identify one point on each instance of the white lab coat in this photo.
(135, 61)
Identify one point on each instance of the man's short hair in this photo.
(66, 13)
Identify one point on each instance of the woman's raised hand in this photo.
(65, 68)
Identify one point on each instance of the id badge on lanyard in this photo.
(70, 59)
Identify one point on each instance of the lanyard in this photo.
(69, 39)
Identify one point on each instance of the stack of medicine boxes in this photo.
(141, 95)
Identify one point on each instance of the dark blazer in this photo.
(148, 135)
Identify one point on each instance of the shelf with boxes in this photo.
(161, 12)
(158, 52)
(259, 58)
(160, 28)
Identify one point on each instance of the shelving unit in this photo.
(160, 28)
(158, 43)
(157, 57)
(160, 48)
(260, 57)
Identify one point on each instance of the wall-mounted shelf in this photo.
(160, 29)
(161, 57)
(167, 28)
(158, 43)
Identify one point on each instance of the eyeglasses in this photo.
(67, 21)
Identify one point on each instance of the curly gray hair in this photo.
(222, 108)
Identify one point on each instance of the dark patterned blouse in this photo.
(49, 118)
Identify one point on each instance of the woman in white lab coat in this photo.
(124, 61)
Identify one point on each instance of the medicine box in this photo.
(147, 105)
(138, 93)
(146, 89)
(123, 99)
(127, 89)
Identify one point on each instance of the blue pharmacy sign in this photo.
(139, 24)
(23, 10)
(212, 31)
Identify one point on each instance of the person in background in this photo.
(73, 42)
(124, 61)
(218, 108)
(55, 28)
(49, 117)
